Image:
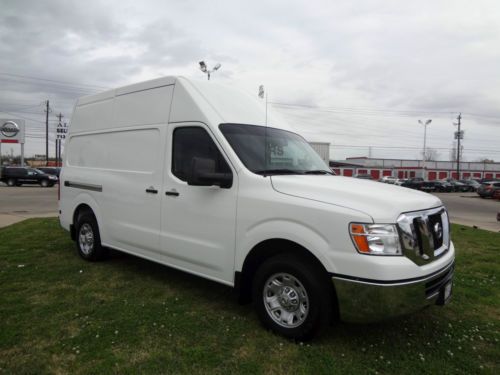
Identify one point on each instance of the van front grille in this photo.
(425, 235)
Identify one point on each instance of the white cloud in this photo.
(434, 57)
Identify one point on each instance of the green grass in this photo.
(60, 314)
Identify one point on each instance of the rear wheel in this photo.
(11, 182)
(88, 239)
(292, 297)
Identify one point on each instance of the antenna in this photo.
(263, 94)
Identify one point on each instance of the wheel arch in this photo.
(84, 202)
(265, 250)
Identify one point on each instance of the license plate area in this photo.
(445, 293)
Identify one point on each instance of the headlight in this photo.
(52, 177)
(375, 239)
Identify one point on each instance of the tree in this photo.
(453, 153)
(431, 154)
(485, 160)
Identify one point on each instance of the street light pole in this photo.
(459, 137)
(425, 140)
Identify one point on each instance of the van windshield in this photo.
(269, 151)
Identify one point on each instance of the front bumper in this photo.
(364, 301)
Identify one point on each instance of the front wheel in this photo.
(44, 183)
(292, 297)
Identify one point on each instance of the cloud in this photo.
(436, 58)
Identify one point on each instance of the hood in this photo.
(383, 202)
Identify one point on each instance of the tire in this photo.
(88, 239)
(11, 182)
(44, 183)
(293, 297)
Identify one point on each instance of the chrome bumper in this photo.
(364, 301)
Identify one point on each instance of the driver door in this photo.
(198, 222)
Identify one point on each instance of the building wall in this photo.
(323, 150)
(434, 170)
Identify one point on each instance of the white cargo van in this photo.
(190, 175)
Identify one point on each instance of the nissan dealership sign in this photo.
(11, 131)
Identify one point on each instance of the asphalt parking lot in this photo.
(19, 203)
(470, 209)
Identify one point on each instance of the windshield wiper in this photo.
(318, 171)
(278, 171)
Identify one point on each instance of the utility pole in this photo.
(58, 141)
(47, 133)
(459, 136)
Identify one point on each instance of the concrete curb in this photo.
(7, 219)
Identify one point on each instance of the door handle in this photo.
(172, 193)
(151, 190)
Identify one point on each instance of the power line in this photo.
(375, 111)
(55, 81)
(23, 117)
(360, 109)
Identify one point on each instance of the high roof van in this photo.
(197, 176)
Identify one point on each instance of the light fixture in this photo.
(425, 139)
(203, 66)
(204, 69)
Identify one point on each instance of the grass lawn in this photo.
(60, 314)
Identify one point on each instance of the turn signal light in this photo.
(359, 237)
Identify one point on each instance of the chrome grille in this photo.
(425, 235)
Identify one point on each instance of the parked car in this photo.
(460, 187)
(496, 194)
(400, 181)
(483, 180)
(472, 185)
(55, 171)
(443, 186)
(249, 204)
(457, 185)
(17, 176)
(388, 179)
(487, 189)
(364, 176)
(418, 183)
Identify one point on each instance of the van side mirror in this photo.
(202, 173)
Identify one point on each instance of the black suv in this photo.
(55, 171)
(16, 176)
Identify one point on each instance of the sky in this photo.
(356, 74)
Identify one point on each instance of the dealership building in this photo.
(401, 168)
